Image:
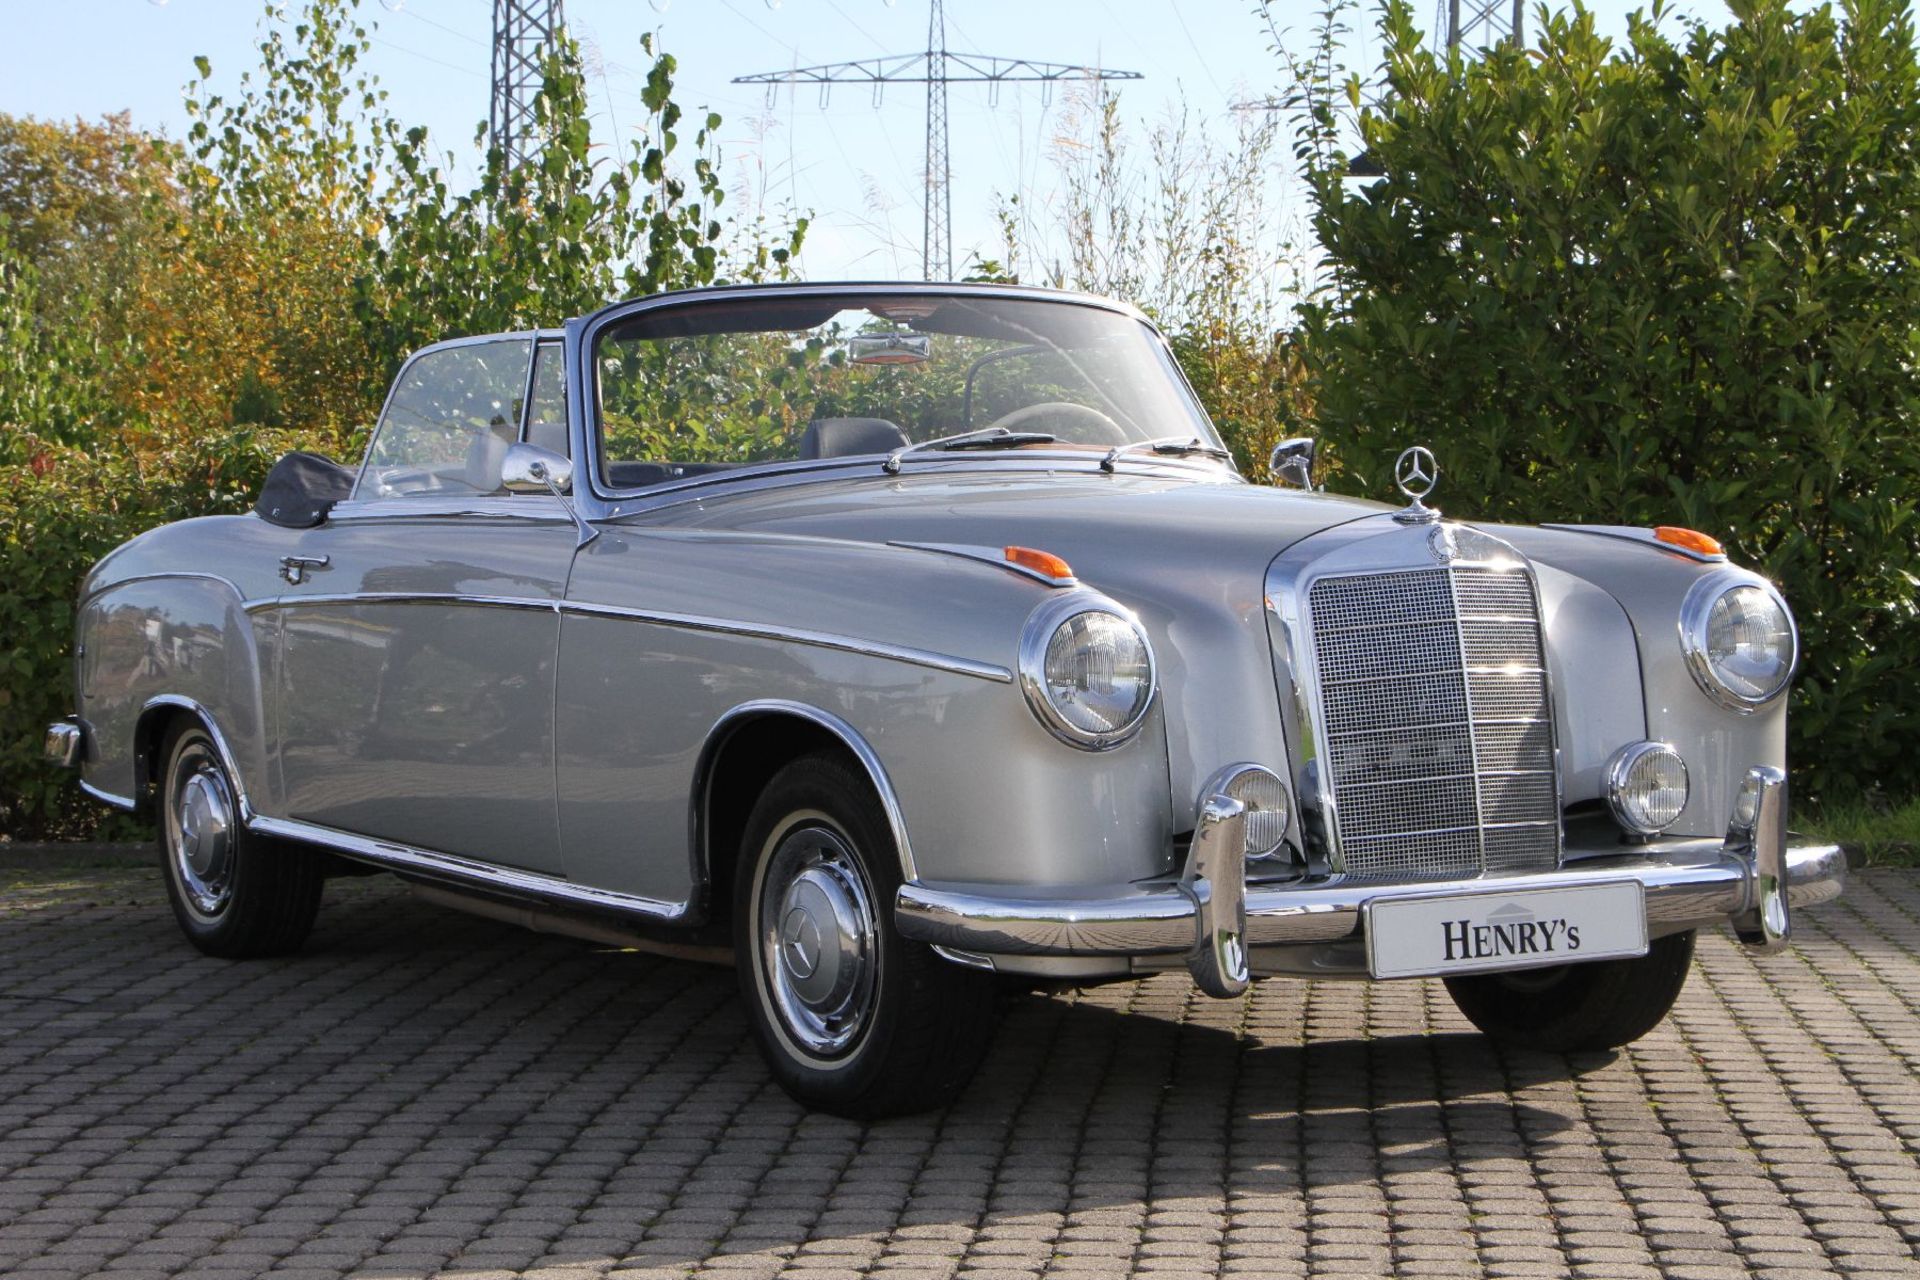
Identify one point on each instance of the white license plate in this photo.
(1518, 929)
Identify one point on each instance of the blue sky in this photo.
(856, 167)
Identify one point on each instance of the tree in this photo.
(1666, 283)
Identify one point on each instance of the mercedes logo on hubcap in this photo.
(800, 943)
(1416, 472)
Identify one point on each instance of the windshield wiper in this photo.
(985, 438)
(1166, 445)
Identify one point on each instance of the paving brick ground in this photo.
(421, 1093)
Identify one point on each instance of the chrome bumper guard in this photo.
(1752, 879)
(63, 744)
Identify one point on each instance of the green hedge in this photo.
(60, 511)
(1673, 282)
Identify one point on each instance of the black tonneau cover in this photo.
(301, 489)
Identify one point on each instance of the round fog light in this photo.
(1268, 807)
(1647, 787)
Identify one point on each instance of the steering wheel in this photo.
(1078, 423)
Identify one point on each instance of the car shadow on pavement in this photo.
(422, 1092)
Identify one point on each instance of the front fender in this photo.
(148, 646)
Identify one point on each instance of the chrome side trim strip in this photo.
(107, 797)
(477, 506)
(849, 737)
(1626, 533)
(995, 556)
(798, 635)
(453, 869)
(401, 597)
(683, 621)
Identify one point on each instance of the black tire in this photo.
(235, 894)
(915, 1033)
(1601, 1005)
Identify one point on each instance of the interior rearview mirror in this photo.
(889, 348)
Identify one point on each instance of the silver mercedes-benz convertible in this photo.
(883, 639)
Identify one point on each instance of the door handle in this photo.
(295, 568)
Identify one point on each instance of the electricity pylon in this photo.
(936, 68)
(1481, 24)
(524, 33)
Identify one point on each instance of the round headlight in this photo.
(1647, 787)
(1087, 670)
(1267, 803)
(1739, 640)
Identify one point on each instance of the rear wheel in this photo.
(235, 894)
(852, 1018)
(1601, 1005)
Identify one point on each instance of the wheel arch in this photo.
(742, 752)
(157, 714)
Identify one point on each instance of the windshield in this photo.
(729, 382)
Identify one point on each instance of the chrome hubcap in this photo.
(200, 829)
(819, 940)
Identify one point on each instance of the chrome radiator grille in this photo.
(1435, 721)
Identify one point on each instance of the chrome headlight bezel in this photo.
(1696, 614)
(1035, 638)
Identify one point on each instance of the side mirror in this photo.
(1292, 461)
(528, 468)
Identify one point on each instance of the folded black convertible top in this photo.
(301, 489)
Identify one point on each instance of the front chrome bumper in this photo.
(1751, 879)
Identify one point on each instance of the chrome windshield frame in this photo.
(609, 501)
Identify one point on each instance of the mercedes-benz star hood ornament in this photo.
(1415, 473)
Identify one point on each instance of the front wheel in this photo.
(1600, 1005)
(235, 894)
(852, 1018)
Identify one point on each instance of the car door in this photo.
(418, 639)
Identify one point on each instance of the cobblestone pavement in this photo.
(422, 1093)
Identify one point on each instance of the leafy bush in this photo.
(60, 511)
(1666, 283)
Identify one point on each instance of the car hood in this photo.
(1136, 536)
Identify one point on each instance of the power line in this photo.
(936, 67)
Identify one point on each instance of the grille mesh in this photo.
(1434, 705)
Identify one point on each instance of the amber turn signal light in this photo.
(1044, 563)
(1688, 540)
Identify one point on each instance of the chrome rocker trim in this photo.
(1751, 879)
(465, 873)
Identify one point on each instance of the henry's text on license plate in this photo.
(1514, 929)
